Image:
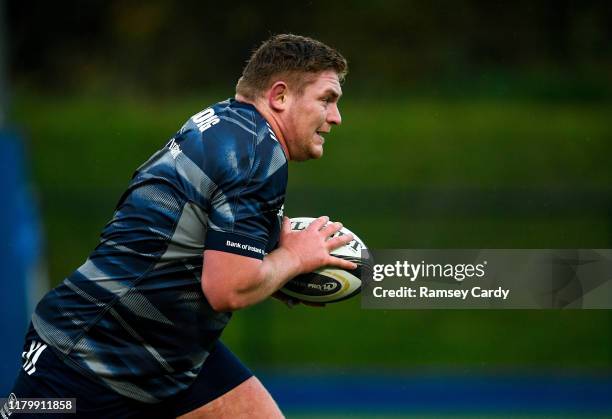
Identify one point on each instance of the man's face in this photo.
(310, 116)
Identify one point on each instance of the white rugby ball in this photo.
(329, 284)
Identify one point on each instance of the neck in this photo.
(270, 117)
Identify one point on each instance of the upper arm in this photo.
(244, 217)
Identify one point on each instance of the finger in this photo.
(331, 228)
(339, 241)
(317, 224)
(341, 263)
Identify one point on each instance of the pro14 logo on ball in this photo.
(329, 284)
(318, 287)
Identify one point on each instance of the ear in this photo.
(278, 96)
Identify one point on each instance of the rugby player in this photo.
(199, 233)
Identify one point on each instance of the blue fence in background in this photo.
(496, 394)
(20, 244)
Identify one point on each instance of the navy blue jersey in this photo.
(134, 315)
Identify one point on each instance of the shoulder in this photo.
(231, 139)
(219, 125)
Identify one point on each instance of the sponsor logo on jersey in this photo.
(205, 119)
(242, 246)
(31, 357)
(174, 147)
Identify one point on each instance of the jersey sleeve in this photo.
(246, 209)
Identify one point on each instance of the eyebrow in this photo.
(334, 94)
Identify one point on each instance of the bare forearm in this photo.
(231, 282)
(276, 269)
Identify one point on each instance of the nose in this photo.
(333, 115)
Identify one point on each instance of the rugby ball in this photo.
(329, 284)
